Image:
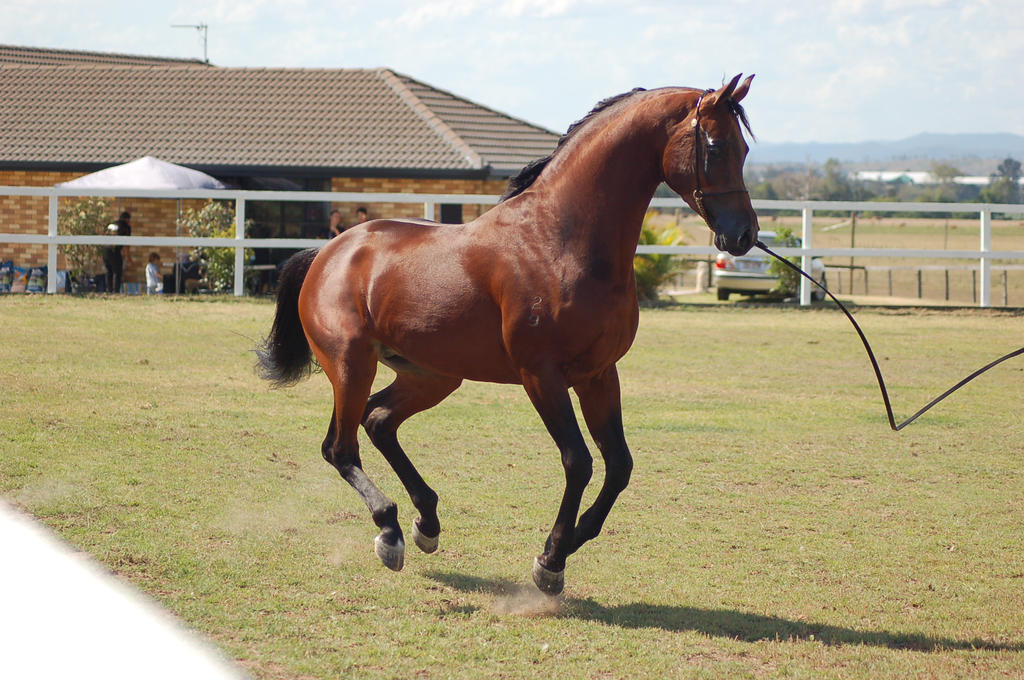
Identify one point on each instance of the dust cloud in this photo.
(526, 601)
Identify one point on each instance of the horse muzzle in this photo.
(735, 226)
(736, 243)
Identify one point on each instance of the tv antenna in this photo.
(202, 28)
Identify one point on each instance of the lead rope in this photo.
(874, 362)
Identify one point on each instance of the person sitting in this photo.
(190, 274)
(334, 227)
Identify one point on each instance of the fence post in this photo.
(428, 211)
(805, 260)
(985, 266)
(239, 248)
(51, 247)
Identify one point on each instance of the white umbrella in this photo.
(145, 173)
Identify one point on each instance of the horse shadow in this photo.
(724, 623)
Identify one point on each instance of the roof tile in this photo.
(106, 113)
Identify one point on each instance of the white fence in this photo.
(984, 254)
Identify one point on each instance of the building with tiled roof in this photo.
(66, 113)
(239, 121)
(44, 56)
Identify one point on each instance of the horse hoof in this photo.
(427, 544)
(392, 556)
(550, 582)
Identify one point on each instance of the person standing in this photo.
(154, 280)
(114, 257)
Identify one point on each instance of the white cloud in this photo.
(908, 5)
(842, 70)
(434, 10)
(543, 8)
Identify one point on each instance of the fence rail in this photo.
(52, 239)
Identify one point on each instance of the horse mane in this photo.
(522, 181)
(737, 110)
(531, 171)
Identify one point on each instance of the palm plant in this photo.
(654, 271)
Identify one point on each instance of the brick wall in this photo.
(157, 217)
(26, 214)
(399, 185)
(29, 215)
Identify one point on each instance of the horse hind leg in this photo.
(351, 373)
(409, 394)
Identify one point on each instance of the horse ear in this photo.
(723, 93)
(740, 92)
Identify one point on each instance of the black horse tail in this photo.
(284, 356)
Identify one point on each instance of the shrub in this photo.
(789, 280)
(216, 219)
(87, 217)
(653, 271)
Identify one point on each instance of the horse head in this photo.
(703, 163)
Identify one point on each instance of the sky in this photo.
(826, 70)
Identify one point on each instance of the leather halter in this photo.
(698, 192)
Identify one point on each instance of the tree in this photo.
(764, 190)
(945, 174)
(1004, 185)
(1009, 168)
(836, 186)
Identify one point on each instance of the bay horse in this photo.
(538, 291)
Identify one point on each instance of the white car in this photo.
(748, 274)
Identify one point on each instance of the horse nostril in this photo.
(745, 241)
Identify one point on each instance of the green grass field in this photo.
(774, 527)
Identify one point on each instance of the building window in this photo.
(284, 219)
(451, 213)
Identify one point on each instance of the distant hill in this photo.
(922, 148)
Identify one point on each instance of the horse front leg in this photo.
(550, 396)
(600, 402)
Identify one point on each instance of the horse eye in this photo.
(716, 149)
